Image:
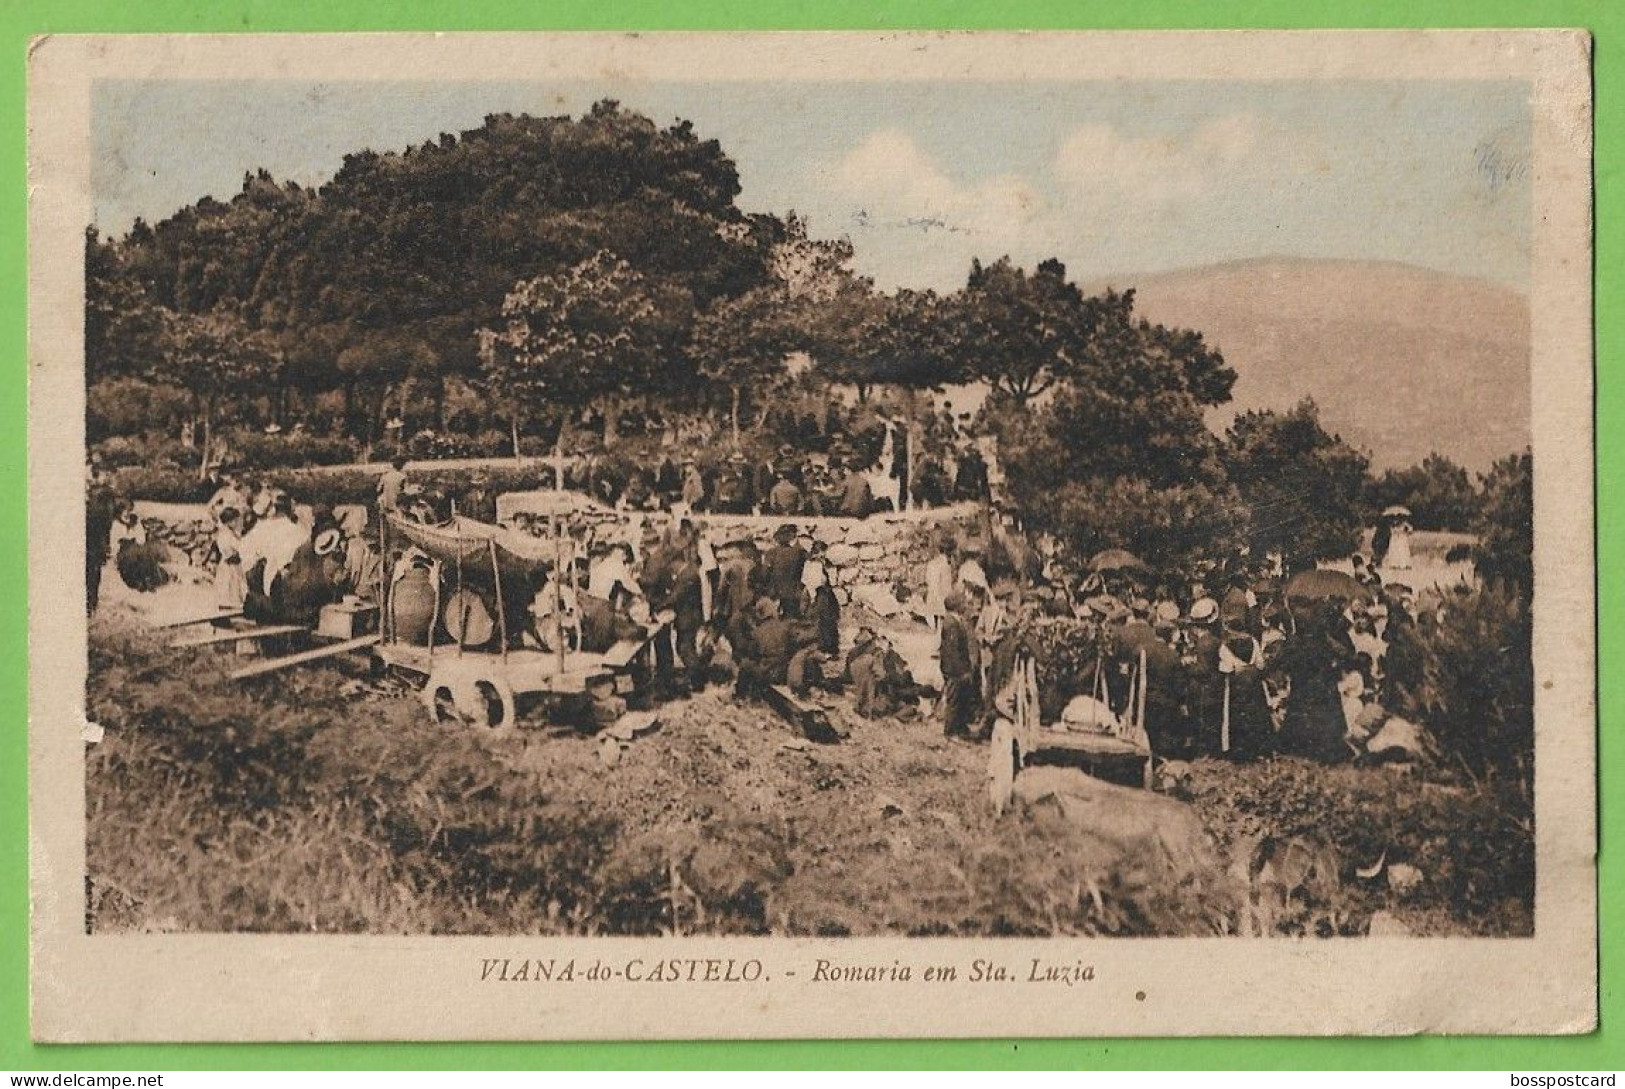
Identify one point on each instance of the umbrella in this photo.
(1116, 559)
(1396, 511)
(1323, 583)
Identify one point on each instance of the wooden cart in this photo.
(483, 681)
(1021, 739)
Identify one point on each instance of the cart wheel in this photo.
(1002, 758)
(489, 708)
(443, 706)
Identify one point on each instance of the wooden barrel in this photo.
(411, 606)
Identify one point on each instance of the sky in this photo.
(1116, 178)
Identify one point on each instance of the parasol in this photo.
(1322, 583)
(1396, 511)
(1116, 559)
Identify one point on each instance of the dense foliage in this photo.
(1301, 484)
(1439, 494)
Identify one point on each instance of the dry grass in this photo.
(305, 803)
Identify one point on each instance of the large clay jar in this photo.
(411, 606)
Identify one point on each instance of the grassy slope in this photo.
(311, 803)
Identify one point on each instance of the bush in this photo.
(1475, 688)
(255, 450)
(1474, 844)
(149, 451)
(132, 406)
(160, 484)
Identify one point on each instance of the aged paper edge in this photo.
(241, 988)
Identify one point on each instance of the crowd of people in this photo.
(842, 481)
(1237, 659)
(1233, 660)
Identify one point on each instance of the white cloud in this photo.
(891, 182)
(1159, 169)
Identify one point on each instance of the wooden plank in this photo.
(1090, 743)
(811, 722)
(271, 665)
(212, 618)
(621, 654)
(235, 635)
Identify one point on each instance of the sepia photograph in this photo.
(620, 499)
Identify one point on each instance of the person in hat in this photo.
(959, 656)
(784, 497)
(363, 565)
(824, 609)
(686, 600)
(611, 567)
(101, 515)
(737, 563)
(879, 678)
(267, 550)
(1244, 717)
(865, 671)
(764, 651)
(782, 568)
(971, 572)
(1204, 685)
(230, 588)
(857, 497)
(693, 494)
(227, 495)
(392, 484)
(1314, 660)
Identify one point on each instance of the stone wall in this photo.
(877, 561)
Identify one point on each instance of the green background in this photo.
(21, 19)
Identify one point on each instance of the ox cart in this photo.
(452, 618)
(1094, 738)
(466, 648)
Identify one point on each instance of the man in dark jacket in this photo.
(769, 645)
(857, 498)
(687, 603)
(785, 497)
(782, 567)
(960, 658)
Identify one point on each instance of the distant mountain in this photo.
(1403, 361)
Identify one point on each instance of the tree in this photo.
(1438, 493)
(1021, 333)
(124, 325)
(375, 367)
(598, 330)
(425, 243)
(1506, 524)
(215, 356)
(1122, 456)
(1301, 484)
(741, 344)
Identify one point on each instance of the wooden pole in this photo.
(575, 589)
(558, 598)
(1144, 684)
(502, 609)
(1224, 721)
(385, 570)
(462, 604)
(434, 617)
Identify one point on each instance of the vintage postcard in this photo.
(602, 536)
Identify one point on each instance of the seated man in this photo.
(605, 622)
(881, 684)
